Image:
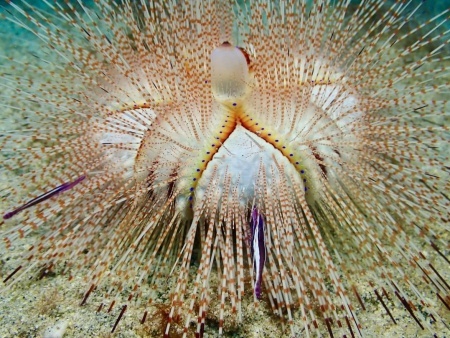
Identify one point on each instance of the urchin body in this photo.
(283, 153)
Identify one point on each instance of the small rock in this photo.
(56, 331)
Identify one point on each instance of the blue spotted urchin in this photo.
(289, 153)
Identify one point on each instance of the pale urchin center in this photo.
(242, 158)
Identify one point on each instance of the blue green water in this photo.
(427, 10)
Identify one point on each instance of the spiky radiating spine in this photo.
(324, 142)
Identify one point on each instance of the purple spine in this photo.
(44, 196)
(258, 248)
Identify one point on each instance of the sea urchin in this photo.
(289, 152)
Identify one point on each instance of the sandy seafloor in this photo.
(31, 307)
